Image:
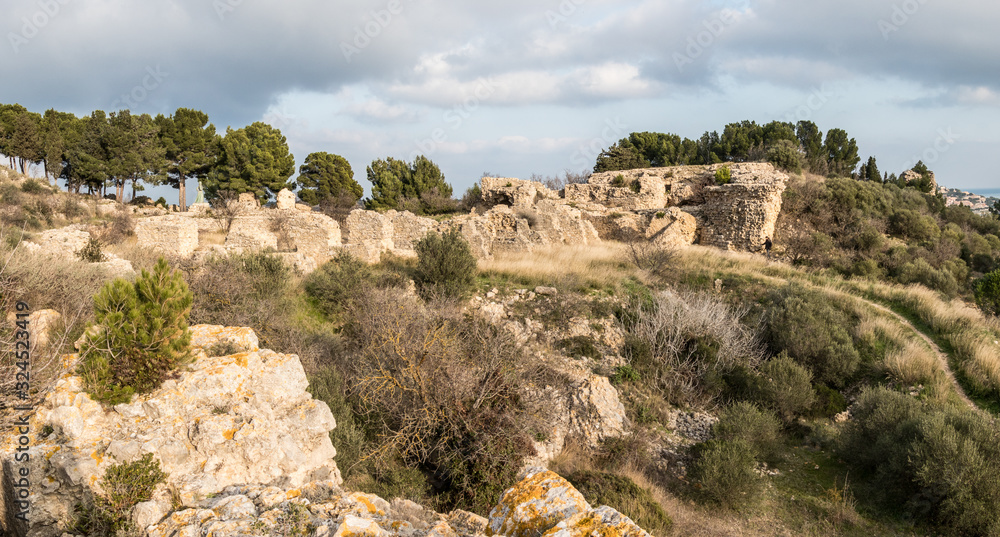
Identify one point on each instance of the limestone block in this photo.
(675, 228)
(534, 505)
(251, 232)
(601, 521)
(354, 526)
(407, 229)
(596, 412)
(206, 335)
(175, 235)
(514, 192)
(40, 323)
(367, 234)
(286, 200)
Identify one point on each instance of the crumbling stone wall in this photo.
(367, 234)
(514, 192)
(171, 234)
(407, 229)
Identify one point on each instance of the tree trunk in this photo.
(182, 202)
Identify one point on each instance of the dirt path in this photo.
(941, 356)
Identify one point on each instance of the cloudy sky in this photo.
(527, 86)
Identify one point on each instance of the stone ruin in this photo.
(671, 206)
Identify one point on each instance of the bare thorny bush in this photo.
(443, 391)
(225, 208)
(41, 282)
(646, 255)
(685, 343)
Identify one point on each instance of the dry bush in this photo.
(225, 208)
(141, 258)
(684, 341)
(117, 229)
(339, 207)
(655, 259)
(443, 392)
(43, 282)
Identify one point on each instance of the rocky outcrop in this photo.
(542, 503)
(225, 420)
(545, 504)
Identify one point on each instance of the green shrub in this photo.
(815, 333)
(760, 429)
(941, 463)
(445, 265)
(338, 281)
(784, 387)
(618, 181)
(327, 385)
(988, 293)
(829, 402)
(725, 473)
(91, 253)
(140, 337)
(579, 347)
(636, 186)
(124, 486)
(723, 176)
(31, 186)
(625, 373)
(162, 202)
(621, 493)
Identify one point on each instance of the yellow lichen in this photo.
(229, 434)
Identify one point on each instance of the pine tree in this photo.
(190, 142)
(325, 176)
(141, 335)
(395, 182)
(252, 159)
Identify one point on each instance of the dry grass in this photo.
(211, 238)
(141, 258)
(596, 265)
(913, 364)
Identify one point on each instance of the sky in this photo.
(525, 87)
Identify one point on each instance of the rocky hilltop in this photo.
(247, 451)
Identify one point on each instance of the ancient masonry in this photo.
(672, 206)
